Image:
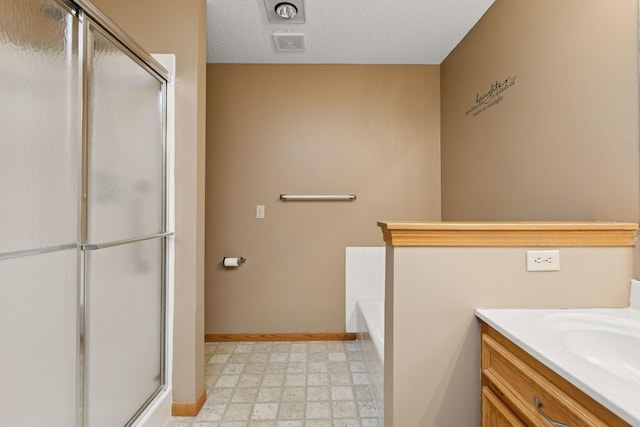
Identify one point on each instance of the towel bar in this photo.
(318, 197)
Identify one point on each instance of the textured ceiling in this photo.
(347, 31)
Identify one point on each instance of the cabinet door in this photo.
(495, 413)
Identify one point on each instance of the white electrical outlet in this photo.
(260, 211)
(543, 260)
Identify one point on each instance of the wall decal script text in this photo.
(491, 97)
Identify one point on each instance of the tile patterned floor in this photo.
(281, 384)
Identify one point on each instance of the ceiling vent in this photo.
(289, 42)
(281, 11)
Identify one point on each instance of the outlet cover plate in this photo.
(543, 260)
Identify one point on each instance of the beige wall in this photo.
(372, 130)
(165, 26)
(432, 367)
(563, 141)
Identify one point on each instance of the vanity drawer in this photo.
(507, 370)
(495, 413)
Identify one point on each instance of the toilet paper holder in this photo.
(231, 262)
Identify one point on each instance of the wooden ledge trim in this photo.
(188, 409)
(324, 336)
(509, 234)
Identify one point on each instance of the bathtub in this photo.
(370, 324)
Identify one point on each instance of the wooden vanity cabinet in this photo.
(518, 390)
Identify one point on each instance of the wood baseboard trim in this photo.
(326, 336)
(189, 409)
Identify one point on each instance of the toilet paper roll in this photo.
(230, 262)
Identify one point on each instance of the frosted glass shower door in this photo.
(125, 149)
(39, 126)
(40, 169)
(125, 222)
(124, 299)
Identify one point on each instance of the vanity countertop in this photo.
(595, 349)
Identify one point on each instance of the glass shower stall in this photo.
(83, 219)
